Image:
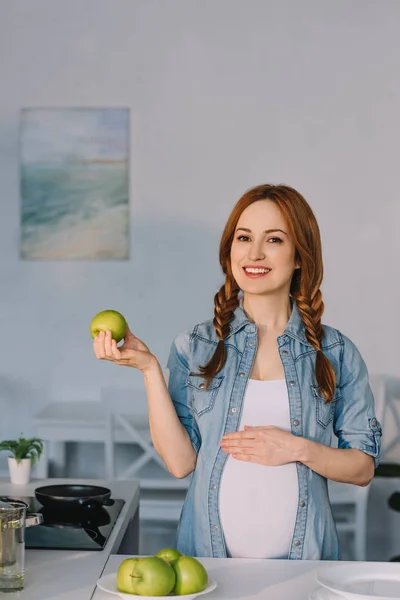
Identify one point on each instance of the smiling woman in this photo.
(255, 394)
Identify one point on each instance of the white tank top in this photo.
(258, 503)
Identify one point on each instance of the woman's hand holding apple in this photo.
(170, 439)
(133, 352)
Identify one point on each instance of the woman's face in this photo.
(262, 251)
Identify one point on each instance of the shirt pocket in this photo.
(324, 411)
(203, 398)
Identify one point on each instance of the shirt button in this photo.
(373, 422)
(251, 344)
(213, 487)
(285, 352)
(233, 410)
(292, 383)
(202, 386)
(302, 503)
(296, 422)
(216, 528)
(242, 374)
(297, 542)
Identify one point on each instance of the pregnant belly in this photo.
(258, 506)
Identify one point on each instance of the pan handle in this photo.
(95, 535)
(108, 502)
(33, 519)
(97, 502)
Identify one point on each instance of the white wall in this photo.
(224, 94)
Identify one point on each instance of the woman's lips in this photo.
(256, 272)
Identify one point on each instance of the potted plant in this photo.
(25, 452)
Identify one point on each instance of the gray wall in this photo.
(224, 94)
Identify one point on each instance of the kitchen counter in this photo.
(250, 579)
(72, 575)
(69, 574)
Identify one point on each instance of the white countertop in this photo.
(72, 575)
(250, 579)
(64, 574)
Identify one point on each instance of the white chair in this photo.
(345, 496)
(126, 410)
(390, 419)
(161, 494)
(80, 420)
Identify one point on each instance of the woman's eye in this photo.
(246, 238)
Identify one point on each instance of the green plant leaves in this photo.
(24, 448)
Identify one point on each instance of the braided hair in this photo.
(226, 300)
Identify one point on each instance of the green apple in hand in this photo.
(169, 554)
(109, 320)
(149, 576)
(191, 576)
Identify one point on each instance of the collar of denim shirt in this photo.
(294, 328)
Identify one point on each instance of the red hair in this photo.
(305, 284)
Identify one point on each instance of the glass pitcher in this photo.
(13, 520)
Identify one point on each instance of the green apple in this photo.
(169, 554)
(148, 576)
(191, 576)
(109, 320)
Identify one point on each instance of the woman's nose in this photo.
(256, 252)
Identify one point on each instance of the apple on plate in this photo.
(191, 576)
(169, 554)
(148, 576)
(109, 320)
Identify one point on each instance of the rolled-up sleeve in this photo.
(179, 391)
(355, 422)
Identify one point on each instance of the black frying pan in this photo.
(73, 495)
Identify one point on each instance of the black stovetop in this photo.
(71, 529)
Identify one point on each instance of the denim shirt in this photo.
(209, 413)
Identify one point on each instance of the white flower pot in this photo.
(20, 473)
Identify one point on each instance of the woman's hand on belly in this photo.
(266, 445)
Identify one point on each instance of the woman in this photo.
(254, 395)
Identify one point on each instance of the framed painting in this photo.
(74, 182)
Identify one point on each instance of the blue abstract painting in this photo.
(74, 183)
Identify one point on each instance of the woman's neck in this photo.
(272, 312)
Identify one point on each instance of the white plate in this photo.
(322, 593)
(366, 581)
(108, 583)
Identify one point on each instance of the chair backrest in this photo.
(392, 385)
(128, 401)
(390, 419)
(131, 401)
(378, 386)
(126, 414)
